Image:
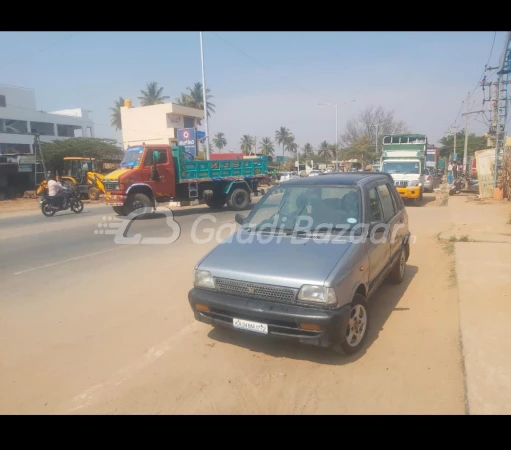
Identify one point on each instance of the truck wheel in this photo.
(216, 202)
(138, 201)
(239, 199)
(93, 193)
(119, 210)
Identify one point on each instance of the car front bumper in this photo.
(409, 193)
(284, 320)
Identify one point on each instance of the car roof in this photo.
(340, 178)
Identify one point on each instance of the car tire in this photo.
(397, 274)
(360, 312)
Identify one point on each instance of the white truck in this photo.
(404, 158)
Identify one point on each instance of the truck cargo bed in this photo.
(197, 170)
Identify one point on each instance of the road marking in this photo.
(154, 353)
(67, 260)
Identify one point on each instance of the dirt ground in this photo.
(129, 347)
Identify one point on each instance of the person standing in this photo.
(449, 173)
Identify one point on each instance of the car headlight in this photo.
(414, 183)
(317, 294)
(203, 278)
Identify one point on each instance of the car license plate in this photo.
(250, 326)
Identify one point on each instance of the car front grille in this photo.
(111, 185)
(256, 290)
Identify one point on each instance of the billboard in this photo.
(187, 137)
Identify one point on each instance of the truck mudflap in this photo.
(410, 193)
(115, 199)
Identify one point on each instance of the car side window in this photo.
(375, 208)
(398, 203)
(160, 157)
(386, 201)
(149, 161)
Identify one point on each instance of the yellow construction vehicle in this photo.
(82, 172)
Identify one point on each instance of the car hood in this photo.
(291, 262)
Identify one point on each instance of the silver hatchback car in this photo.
(306, 259)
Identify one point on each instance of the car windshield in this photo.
(316, 209)
(132, 157)
(400, 167)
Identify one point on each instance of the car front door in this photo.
(378, 245)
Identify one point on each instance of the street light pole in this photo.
(206, 125)
(336, 138)
(336, 128)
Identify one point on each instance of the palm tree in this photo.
(115, 116)
(246, 144)
(219, 141)
(267, 147)
(308, 152)
(291, 145)
(325, 151)
(282, 137)
(152, 95)
(194, 99)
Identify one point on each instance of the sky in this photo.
(261, 81)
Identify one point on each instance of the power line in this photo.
(264, 66)
(485, 66)
(480, 79)
(40, 50)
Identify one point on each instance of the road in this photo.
(88, 325)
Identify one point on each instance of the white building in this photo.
(20, 119)
(156, 124)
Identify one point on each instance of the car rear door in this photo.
(378, 243)
(393, 217)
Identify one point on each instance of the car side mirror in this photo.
(240, 218)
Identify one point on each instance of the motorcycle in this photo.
(51, 205)
(464, 183)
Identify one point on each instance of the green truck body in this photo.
(189, 169)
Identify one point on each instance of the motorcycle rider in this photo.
(55, 189)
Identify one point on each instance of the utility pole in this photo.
(465, 149)
(336, 128)
(455, 134)
(206, 126)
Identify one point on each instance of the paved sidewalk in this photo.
(483, 269)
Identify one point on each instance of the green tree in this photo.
(267, 146)
(194, 99)
(308, 152)
(152, 95)
(362, 149)
(246, 144)
(115, 114)
(326, 151)
(474, 143)
(219, 141)
(101, 149)
(282, 137)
